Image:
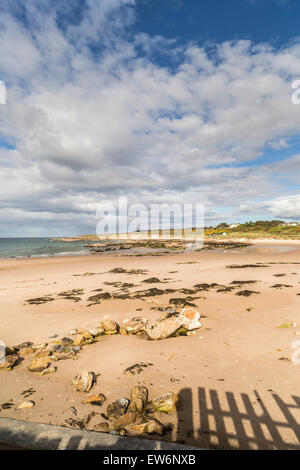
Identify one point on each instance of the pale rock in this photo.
(109, 325)
(138, 398)
(83, 382)
(49, 370)
(190, 318)
(26, 404)
(165, 403)
(39, 364)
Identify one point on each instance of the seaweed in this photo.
(40, 300)
(246, 293)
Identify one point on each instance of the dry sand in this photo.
(237, 385)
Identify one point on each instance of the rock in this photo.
(83, 382)
(117, 408)
(39, 364)
(10, 350)
(99, 331)
(164, 327)
(64, 356)
(43, 353)
(26, 404)
(165, 403)
(66, 341)
(40, 346)
(138, 398)
(95, 399)
(49, 370)
(10, 361)
(155, 427)
(123, 421)
(190, 318)
(82, 338)
(174, 324)
(151, 427)
(27, 351)
(109, 325)
(25, 345)
(58, 348)
(73, 332)
(101, 427)
(134, 326)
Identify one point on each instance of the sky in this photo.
(161, 101)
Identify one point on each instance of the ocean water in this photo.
(40, 247)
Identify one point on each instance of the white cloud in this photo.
(286, 207)
(90, 123)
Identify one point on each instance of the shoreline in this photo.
(248, 242)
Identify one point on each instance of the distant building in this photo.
(233, 225)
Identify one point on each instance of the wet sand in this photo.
(237, 385)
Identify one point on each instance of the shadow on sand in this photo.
(234, 427)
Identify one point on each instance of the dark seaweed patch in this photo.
(40, 300)
(245, 266)
(279, 286)
(246, 293)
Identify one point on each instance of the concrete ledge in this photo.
(28, 435)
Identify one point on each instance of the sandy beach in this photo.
(237, 384)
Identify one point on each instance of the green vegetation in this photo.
(285, 325)
(259, 229)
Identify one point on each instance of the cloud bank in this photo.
(94, 112)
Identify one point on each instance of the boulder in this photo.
(40, 346)
(66, 341)
(10, 350)
(165, 403)
(117, 408)
(43, 353)
(83, 337)
(101, 427)
(123, 421)
(164, 327)
(133, 326)
(95, 399)
(49, 370)
(99, 331)
(150, 427)
(190, 318)
(26, 351)
(26, 404)
(138, 399)
(174, 324)
(25, 345)
(83, 382)
(10, 361)
(109, 325)
(39, 364)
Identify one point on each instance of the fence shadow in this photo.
(238, 424)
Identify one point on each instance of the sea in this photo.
(40, 247)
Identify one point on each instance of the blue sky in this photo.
(271, 21)
(160, 101)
